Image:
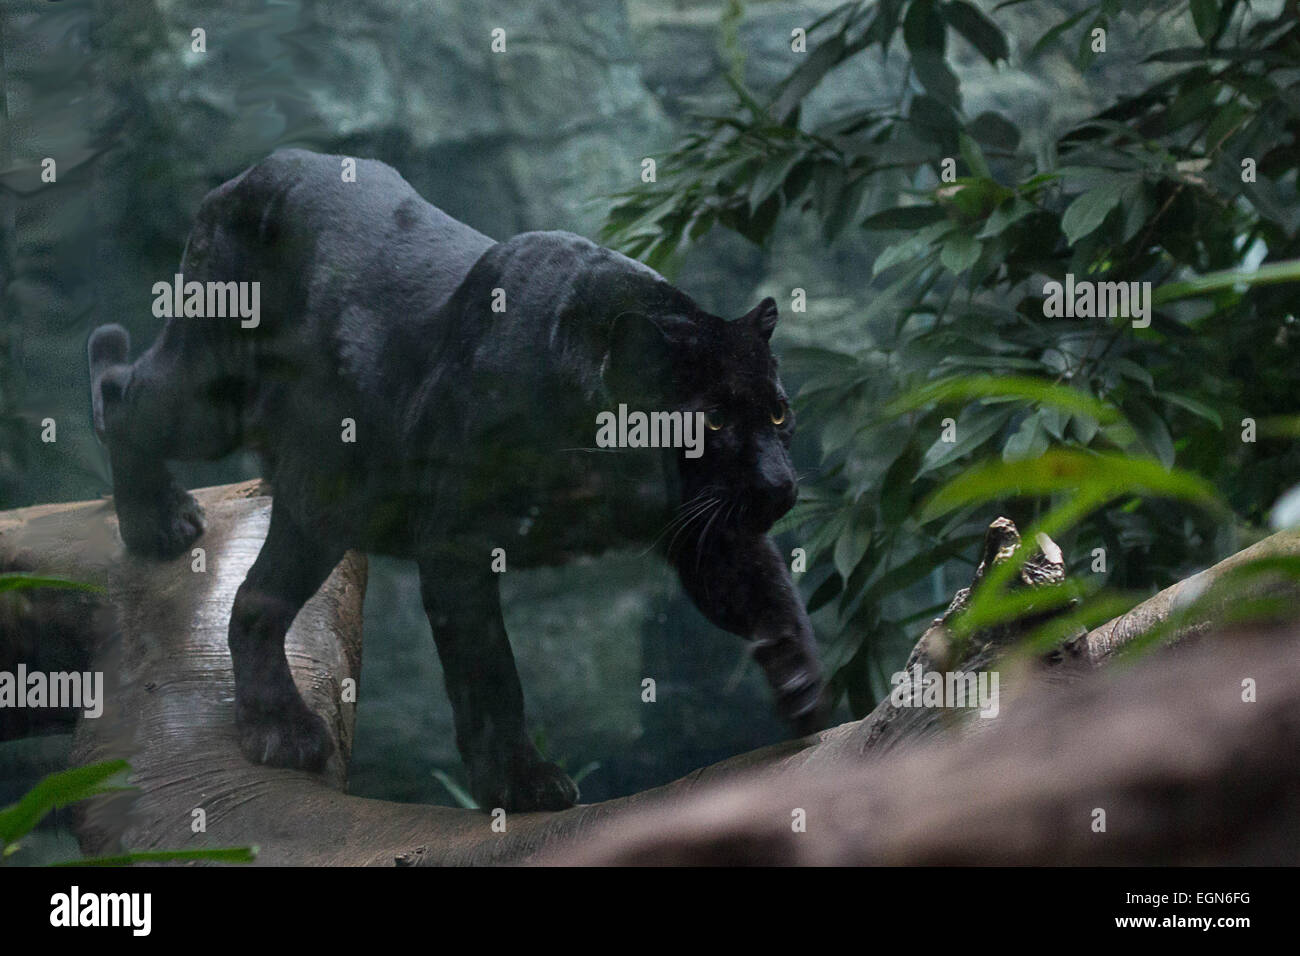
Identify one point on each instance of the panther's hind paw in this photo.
(164, 527)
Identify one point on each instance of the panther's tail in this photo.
(107, 350)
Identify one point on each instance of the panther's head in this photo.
(724, 370)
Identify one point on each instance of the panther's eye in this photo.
(779, 412)
(713, 419)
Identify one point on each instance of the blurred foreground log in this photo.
(1183, 768)
(1168, 756)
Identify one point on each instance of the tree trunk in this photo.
(1183, 768)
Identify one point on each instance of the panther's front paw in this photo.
(796, 679)
(161, 527)
(528, 784)
(807, 711)
(543, 786)
(290, 737)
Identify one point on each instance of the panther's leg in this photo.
(739, 582)
(504, 768)
(161, 406)
(275, 725)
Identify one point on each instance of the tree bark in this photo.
(1184, 769)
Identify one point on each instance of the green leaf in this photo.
(18, 581)
(851, 546)
(966, 388)
(1205, 14)
(1084, 427)
(914, 569)
(1136, 208)
(1193, 102)
(234, 854)
(804, 79)
(932, 122)
(960, 252)
(1017, 605)
(1028, 441)
(910, 248)
(771, 177)
(978, 30)
(1130, 369)
(1086, 53)
(1194, 406)
(897, 484)
(974, 156)
(937, 77)
(825, 536)
(1152, 431)
(974, 197)
(458, 793)
(992, 129)
(816, 360)
(1054, 422)
(1273, 272)
(1050, 37)
(1060, 471)
(922, 28)
(846, 208)
(1090, 209)
(825, 593)
(59, 790)
(805, 511)
(972, 431)
(1007, 214)
(1094, 611)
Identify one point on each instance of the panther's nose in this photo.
(775, 486)
(775, 489)
(785, 497)
(780, 498)
(769, 503)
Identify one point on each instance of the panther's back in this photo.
(292, 219)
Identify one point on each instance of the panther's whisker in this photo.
(699, 515)
(696, 516)
(683, 514)
(686, 507)
(699, 544)
(677, 522)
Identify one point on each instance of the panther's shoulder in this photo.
(565, 266)
(568, 250)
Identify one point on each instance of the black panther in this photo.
(416, 389)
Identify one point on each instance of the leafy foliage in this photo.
(1101, 430)
(19, 581)
(80, 783)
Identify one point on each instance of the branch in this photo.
(1184, 771)
(160, 639)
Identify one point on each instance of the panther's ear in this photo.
(638, 364)
(763, 317)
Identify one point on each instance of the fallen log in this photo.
(159, 635)
(1164, 764)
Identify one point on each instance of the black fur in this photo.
(475, 430)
